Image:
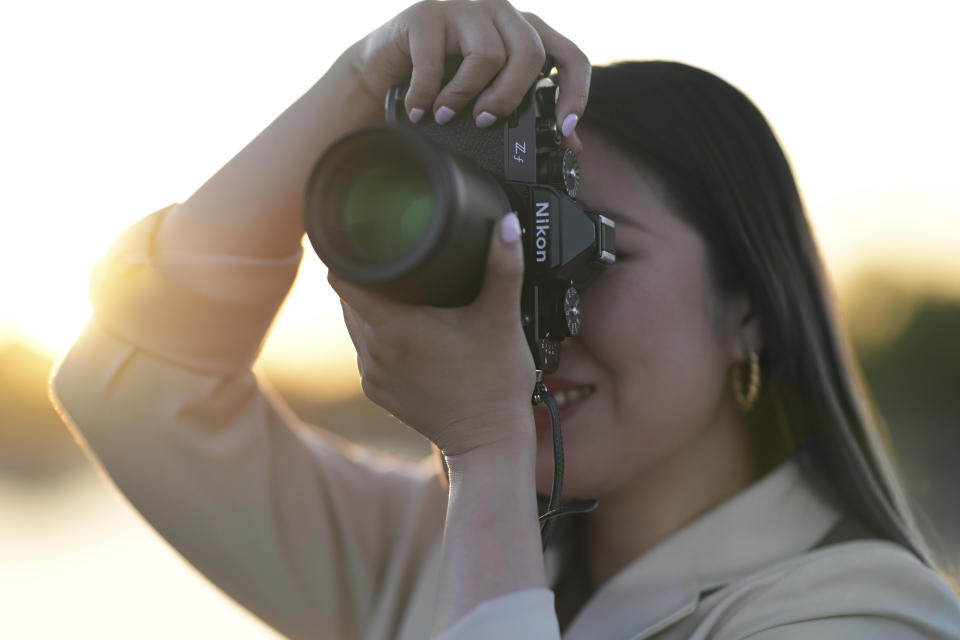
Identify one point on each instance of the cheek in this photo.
(674, 348)
(651, 322)
(650, 332)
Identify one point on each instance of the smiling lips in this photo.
(563, 397)
(568, 396)
(565, 390)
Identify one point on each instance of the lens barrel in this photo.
(387, 209)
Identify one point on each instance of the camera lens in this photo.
(386, 211)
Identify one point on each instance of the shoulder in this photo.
(867, 588)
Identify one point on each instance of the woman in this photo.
(769, 511)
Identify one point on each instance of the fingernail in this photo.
(569, 124)
(443, 115)
(415, 115)
(485, 119)
(510, 228)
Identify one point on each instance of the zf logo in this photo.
(519, 149)
(543, 227)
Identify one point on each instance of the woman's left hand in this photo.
(462, 377)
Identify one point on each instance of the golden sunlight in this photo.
(870, 131)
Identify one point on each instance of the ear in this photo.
(744, 331)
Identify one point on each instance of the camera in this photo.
(408, 210)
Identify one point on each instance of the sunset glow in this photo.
(122, 110)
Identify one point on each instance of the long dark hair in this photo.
(721, 163)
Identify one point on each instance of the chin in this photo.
(598, 461)
(581, 477)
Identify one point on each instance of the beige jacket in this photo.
(324, 540)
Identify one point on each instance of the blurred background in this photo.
(115, 109)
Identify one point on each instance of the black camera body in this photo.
(508, 148)
(473, 176)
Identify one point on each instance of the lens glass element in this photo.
(386, 210)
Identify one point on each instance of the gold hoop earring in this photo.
(749, 399)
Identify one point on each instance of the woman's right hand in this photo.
(503, 51)
(251, 207)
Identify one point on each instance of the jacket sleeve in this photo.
(316, 536)
(526, 614)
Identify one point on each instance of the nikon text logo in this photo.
(543, 227)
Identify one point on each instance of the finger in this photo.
(483, 56)
(503, 279)
(374, 309)
(573, 142)
(427, 43)
(573, 69)
(355, 326)
(525, 58)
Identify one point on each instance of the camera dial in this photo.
(561, 170)
(571, 311)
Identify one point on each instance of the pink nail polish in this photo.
(415, 115)
(485, 119)
(569, 124)
(443, 115)
(510, 228)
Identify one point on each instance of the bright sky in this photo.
(115, 109)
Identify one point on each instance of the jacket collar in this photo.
(777, 517)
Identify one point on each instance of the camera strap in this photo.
(554, 508)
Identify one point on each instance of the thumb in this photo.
(503, 279)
